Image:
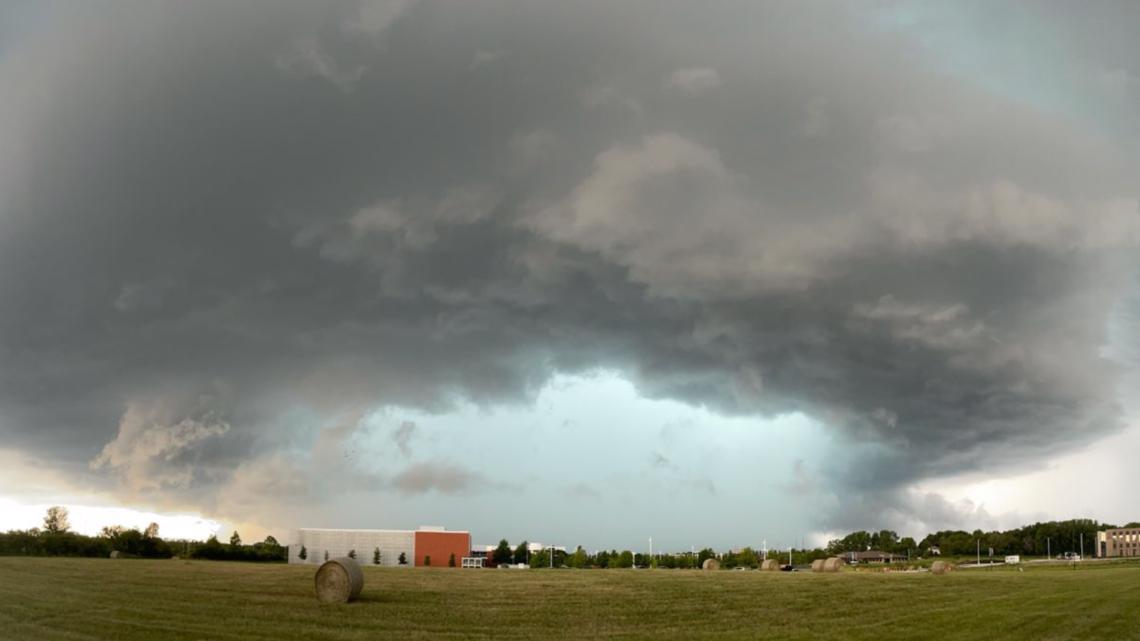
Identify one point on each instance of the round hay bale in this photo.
(834, 564)
(770, 565)
(339, 580)
(941, 567)
(710, 564)
(817, 565)
(114, 554)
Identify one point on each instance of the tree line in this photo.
(55, 538)
(580, 558)
(1039, 539)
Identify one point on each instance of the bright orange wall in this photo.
(440, 546)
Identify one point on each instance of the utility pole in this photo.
(1048, 547)
(650, 561)
(979, 552)
(1082, 545)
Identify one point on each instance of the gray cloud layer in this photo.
(213, 211)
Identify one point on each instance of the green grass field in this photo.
(51, 598)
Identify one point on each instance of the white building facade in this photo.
(317, 542)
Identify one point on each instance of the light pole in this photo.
(979, 553)
(1048, 548)
(650, 561)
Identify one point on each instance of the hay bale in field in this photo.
(339, 580)
(114, 554)
(710, 564)
(770, 565)
(833, 564)
(941, 567)
(817, 565)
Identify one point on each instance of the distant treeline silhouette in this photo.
(56, 539)
(1055, 537)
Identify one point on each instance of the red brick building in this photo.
(440, 545)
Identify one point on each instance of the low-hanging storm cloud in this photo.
(229, 231)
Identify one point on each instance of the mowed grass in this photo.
(47, 598)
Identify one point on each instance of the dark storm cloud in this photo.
(215, 212)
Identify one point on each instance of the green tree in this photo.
(521, 553)
(326, 555)
(303, 554)
(502, 553)
(906, 544)
(624, 560)
(579, 559)
(540, 559)
(885, 540)
(451, 560)
(706, 553)
(427, 560)
(747, 558)
(352, 554)
(403, 559)
(56, 520)
(271, 541)
(235, 539)
(376, 556)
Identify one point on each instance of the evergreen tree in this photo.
(502, 553)
(403, 559)
(521, 553)
(235, 539)
(352, 554)
(451, 560)
(303, 554)
(376, 556)
(326, 555)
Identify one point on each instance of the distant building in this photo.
(414, 545)
(872, 556)
(1118, 542)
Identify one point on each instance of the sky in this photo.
(718, 273)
